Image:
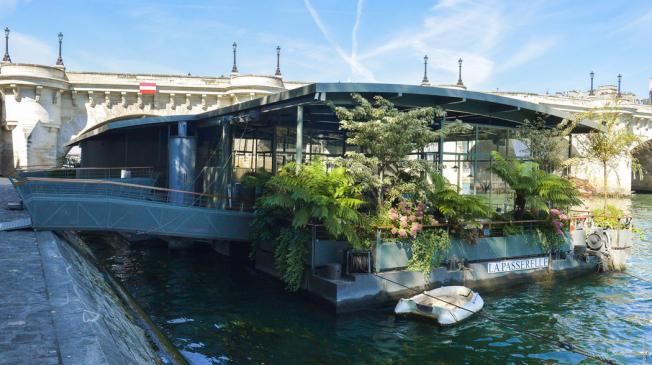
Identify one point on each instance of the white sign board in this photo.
(517, 265)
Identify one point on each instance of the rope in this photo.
(636, 276)
(561, 344)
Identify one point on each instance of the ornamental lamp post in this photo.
(278, 61)
(6, 58)
(424, 81)
(591, 93)
(60, 60)
(234, 69)
(459, 77)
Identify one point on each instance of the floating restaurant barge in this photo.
(180, 177)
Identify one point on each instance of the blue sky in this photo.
(534, 46)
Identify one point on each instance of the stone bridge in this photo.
(634, 114)
(44, 107)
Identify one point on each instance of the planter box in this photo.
(323, 252)
(395, 255)
(328, 252)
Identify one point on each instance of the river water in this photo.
(217, 312)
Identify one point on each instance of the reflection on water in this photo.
(219, 313)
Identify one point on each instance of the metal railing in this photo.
(47, 186)
(485, 228)
(581, 218)
(90, 173)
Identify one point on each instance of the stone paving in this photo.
(55, 308)
(27, 333)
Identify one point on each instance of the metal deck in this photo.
(101, 205)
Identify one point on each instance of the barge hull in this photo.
(364, 290)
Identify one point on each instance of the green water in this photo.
(219, 313)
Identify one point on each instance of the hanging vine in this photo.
(428, 251)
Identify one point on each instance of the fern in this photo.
(448, 203)
(289, 257)
(300, 196)
(533, 187)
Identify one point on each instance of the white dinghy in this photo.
(448, 304)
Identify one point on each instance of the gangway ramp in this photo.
(22, 223)
(101, 205)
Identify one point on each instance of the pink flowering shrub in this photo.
(558, 220)
(407, 219)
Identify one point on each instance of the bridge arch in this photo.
(116, 119)
(643, 183)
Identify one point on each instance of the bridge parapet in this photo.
(30, 74)
(43, 107)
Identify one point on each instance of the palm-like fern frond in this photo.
(452, 205)
(311, 193)
(533, 186)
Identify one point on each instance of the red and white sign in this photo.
(148, 88)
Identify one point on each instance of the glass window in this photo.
(252, 150)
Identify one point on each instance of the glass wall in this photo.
(286, 148)
(252, 151)
(319, 143)
(465, 159)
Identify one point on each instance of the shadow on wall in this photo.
(6, 143)
(78, 124)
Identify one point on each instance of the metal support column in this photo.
(475, 158)
(126, 159)
(440, 146)
(226, 164)
(299, 143)
(274, 146)
(570, 152)
(182, 155)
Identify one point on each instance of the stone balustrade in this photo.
(44, 107)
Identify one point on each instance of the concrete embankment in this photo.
(57, 307)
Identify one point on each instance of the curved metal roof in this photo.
(463, 102)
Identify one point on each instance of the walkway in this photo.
(105, 205)
(54, 308)
(27, 333)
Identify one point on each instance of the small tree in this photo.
(386, 137)
(545, 144)
(607, 147)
